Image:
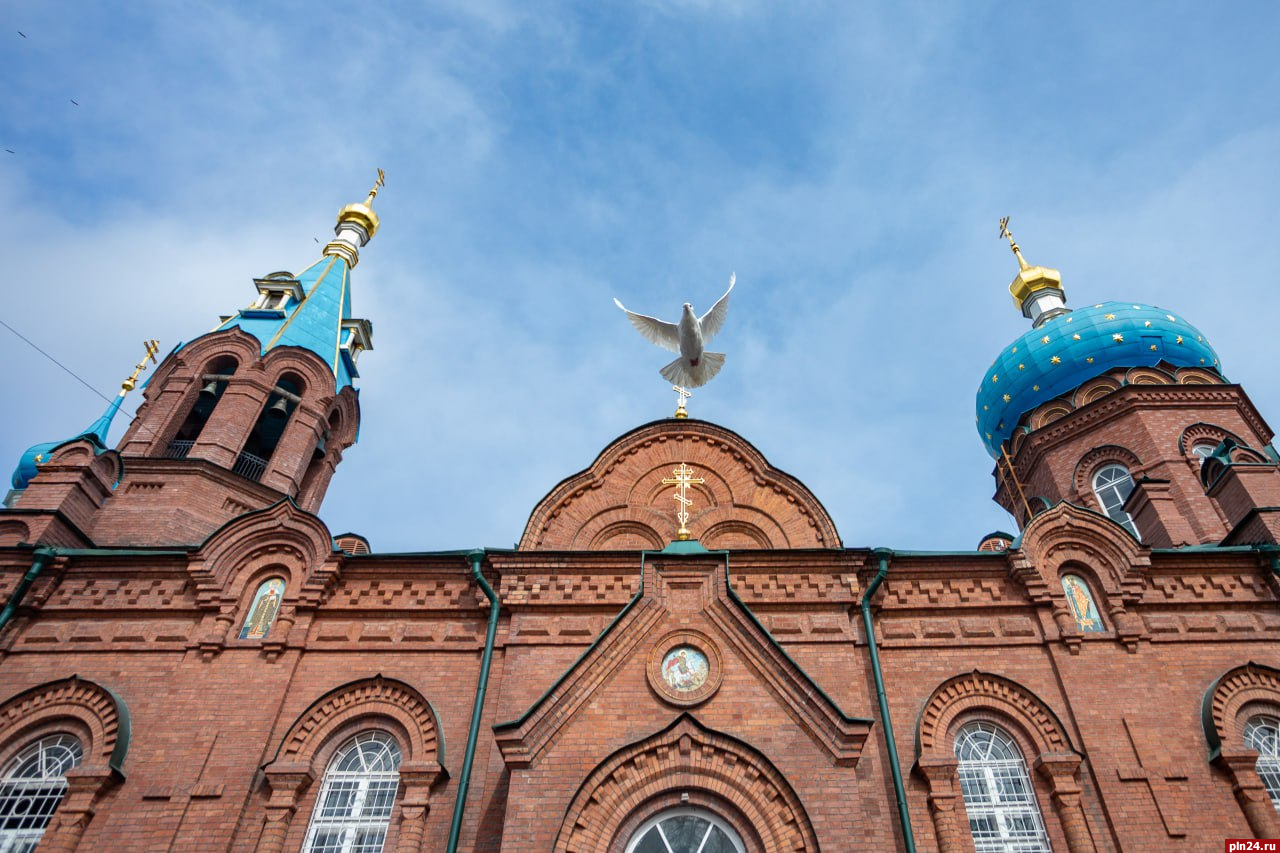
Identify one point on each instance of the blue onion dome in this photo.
(1071, 347)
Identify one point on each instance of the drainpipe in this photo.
(40, 558)
(464, 780)
(899, 790)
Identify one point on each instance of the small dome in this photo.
(1072, 348)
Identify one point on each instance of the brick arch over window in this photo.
(1094, 461)
(686, 756)
(624, 484)
(91, 713)
(1071, 535)
(984, 696)
(303, 754)
(1227, 705)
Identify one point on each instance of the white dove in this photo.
(694, 367)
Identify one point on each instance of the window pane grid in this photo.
(31, 788)
(1263, 734)
(998, 796)
(1113, 485)
(353, 808)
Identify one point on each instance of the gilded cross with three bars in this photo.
(682, 480)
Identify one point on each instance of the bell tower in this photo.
(1123, 408)
(258, 410)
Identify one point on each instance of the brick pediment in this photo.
(683, 602)
(620, 502)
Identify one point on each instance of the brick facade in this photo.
(126, 623)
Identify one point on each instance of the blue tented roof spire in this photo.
(312, 310)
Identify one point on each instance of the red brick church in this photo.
(190, 660)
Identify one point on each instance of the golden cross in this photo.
(682, 480)
(152, 347)
(381, 182)
(681, 395)
(1005, 232)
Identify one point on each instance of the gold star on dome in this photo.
(1179, 339)
(1109, 316)
(988, 436)
(995, 377)
(1055, 360)
(1000, 425)
(1045, 339)
(1153, 347)
(1089, 359)
(1118, 338)
(1014, 350)
(985, 408)
(1075, 337)
(1035, 387)
(1007, 398)
(40, 456)
(1147, 324)
(1202, 361)
(1022, 367)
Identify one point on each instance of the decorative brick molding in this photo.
(620, 502)
(1068, 537)
(983, 695)
(685, 756)
(1227, 705)
(305, 749)
(1095, 460)
(98, 719)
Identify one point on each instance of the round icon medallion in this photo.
(684, 669)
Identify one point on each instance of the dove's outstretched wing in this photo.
(665, 335)
(714, 319)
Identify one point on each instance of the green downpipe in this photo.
(899, 790)
(40, 559)
(464, 780)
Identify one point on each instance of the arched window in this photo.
(31, 787)
(353, 808)
(263, 609)
(685, 830)
(1080, 599)
(1263, 734)
(262, 441)
(1113, 485)
(212, 383)
(998, 796)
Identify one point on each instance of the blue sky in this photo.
(850, 164)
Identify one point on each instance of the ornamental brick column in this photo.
(942, 774)
(1241, 765)
(84, 787)
(287, 782)
(417, 778)
(1062, 772)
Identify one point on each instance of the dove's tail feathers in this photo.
(680, 373)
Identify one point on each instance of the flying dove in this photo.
(694, 367)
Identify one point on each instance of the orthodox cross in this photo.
(381, 182)
(152, 347)
(1159, 781)
(682, 394)
(682, 480)
(1005, 232)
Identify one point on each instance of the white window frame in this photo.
(348, 820)
(1109, 489)
(999, 797)
(685, 811)
(32, 779)
(1262, 732)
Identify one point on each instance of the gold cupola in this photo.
(357, 223)
(1037, 291)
